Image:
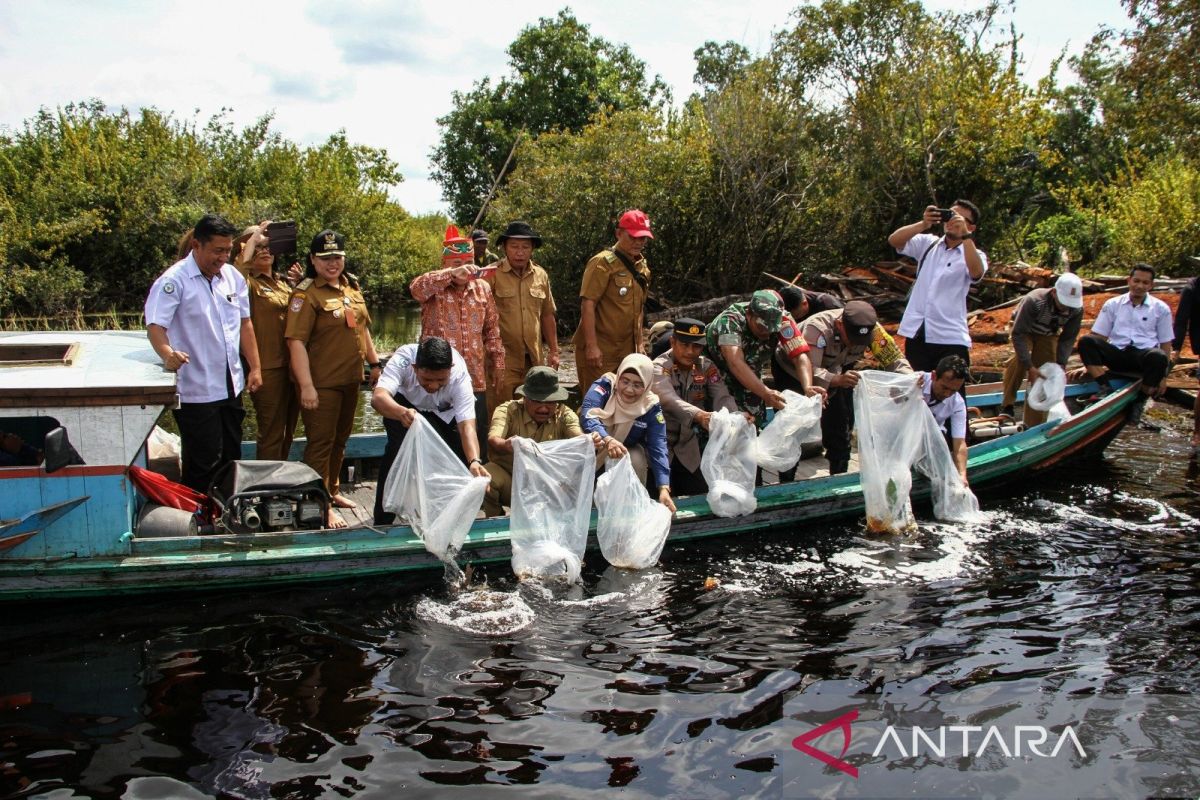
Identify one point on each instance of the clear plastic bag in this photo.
(778, 446)
(162, 444)
(631, 527)
(1048, 392)
(728, 464)
(551, 506)
(431, 490)
(897, 432)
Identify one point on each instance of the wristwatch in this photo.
(475, 461)
(374, 366)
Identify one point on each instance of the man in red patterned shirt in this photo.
(457, 305)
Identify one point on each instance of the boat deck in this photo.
(363, 492)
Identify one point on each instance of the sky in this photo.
(381, 70)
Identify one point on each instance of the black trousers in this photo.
(1152, 363)
(837, 420)
(448, 431)
(686, 482)
(924, 355)
(482, 423)
(210, 436)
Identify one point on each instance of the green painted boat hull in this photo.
(225, 562)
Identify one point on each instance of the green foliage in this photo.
(718, 64)
(1156, 215)
(1084, 236)
(573, 187)
(93, 201)
(561, 76)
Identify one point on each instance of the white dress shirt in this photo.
(953, 409)
(939, 296)
(1144, 327)
(454, 402)
(203, 319)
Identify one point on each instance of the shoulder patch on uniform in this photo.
(304, 284)
(169, 287)
(729, 340)
(660, 418)
(714, 376)
(787, 332)
(297, 303)
(821, 341)
(599, 389)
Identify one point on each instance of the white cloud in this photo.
(383, 71)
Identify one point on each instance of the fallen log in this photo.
(704, 310)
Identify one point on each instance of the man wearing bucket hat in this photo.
(527, 310)
(690, 388)
(1045, 327)
(839, 340)
(740, 342)
(539, 415)
(616, 282)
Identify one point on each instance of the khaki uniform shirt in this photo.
(511, 419)
(268, 314)
(318, 315)
(619, 299)
(521, 302)
(831, 355)
(684, 393)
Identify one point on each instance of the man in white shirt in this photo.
(942, 389)
(198, 321)
(1133, 333)
(432, 380)
(934, 324)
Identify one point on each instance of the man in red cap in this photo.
(615, 284)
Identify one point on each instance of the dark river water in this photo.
(1051, 651)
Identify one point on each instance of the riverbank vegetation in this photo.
(797, 160)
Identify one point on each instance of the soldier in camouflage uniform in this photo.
(740, 342)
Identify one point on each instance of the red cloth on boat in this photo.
(166, 492)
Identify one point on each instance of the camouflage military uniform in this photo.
(731, 329)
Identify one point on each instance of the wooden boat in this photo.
(72, 531)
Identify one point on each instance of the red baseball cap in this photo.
(636, 224)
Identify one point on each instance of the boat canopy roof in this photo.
(73, 368)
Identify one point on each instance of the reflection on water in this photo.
(1074, 602)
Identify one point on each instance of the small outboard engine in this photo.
(269, 496)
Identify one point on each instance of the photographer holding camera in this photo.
(934, 324)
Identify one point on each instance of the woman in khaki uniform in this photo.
(276, 406)
(328, 340)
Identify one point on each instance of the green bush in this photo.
(1083, 235)
(1156, 215)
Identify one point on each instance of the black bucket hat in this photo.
(519, 230)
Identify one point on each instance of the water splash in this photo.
(481, 611)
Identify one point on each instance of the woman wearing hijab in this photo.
(621, 409)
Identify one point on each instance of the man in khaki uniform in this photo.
(615, 284)
(690, 388)
(539, 415)
(526, 307)
(837, 341)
